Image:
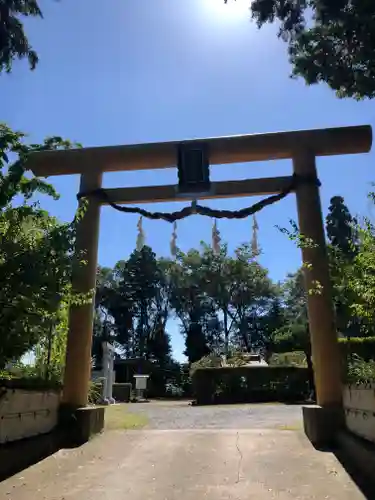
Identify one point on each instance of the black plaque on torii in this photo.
(193, 167)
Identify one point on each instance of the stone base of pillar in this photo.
(104, 401)
(79, 425)
(322, 424)
(107, 401)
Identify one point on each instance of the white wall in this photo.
(26, 413)
(359, 405)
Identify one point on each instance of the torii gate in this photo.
(300, 146)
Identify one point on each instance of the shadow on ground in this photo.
(19, 455)
(363, 482)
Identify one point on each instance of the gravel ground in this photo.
(181, 415)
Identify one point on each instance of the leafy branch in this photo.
(36, 250)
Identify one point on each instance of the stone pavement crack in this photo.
(241, 457)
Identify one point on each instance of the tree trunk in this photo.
(244, 333)
(226, 332)
(49, 352)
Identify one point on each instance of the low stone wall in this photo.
(359, 405)
(25, 413)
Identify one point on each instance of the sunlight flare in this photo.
(233, 10)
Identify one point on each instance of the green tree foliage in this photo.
(51, 349)
(240, 291)
(132, 308)
(215, 277)
(14, 43)
(142, 287)
(192, 306)
(252, 299)
(196, 345)
(36, 250)
(220, 299)
(272, 319)
(340, 226)
(294, 335)
(361, 276)
(328, 41)
(216, 297)
(103, 323)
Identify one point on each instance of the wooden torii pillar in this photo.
(300, 146)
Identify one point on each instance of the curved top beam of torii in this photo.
(222, 150)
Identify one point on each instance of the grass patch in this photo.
(119, 417)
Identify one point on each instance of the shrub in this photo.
(360, 371)
(6, 375)
(95, 392)
(210, 361)
(250, 384)
(122, 392)
(234, 359)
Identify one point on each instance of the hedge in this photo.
(250, 384)
(30, 384)
(364, 347)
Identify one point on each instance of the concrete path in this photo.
(187, 464)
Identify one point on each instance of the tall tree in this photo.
(192, 306)
(106, 287)
(343, 246)
(159, 346)
(251, 298)
(340, 226)
(240, 291)
(196, 346)
(143, 281)
(133, 299)
(14, 43)
(217, 279)
(328, 41)
(272, 319)
(219, 299)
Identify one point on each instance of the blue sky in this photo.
(142, 71)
